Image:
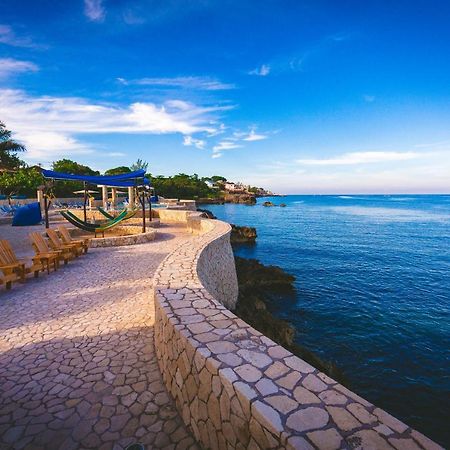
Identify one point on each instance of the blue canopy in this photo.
(136, 178)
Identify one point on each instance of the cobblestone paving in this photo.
(77, 359)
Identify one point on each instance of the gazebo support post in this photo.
(84, 202)
(143, 211)
(46, 211)
(150, 207)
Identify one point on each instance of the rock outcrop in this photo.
(243, 235)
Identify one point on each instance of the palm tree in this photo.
(8, 149)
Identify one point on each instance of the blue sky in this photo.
(304, 96)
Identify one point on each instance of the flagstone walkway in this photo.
(77, 361)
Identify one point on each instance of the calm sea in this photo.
(373, 292)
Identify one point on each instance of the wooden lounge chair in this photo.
(56, 243)
(67, 239)
(8, 276)
(46, 255)
(23, 266)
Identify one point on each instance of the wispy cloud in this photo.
(65, 118)
(249, 136)
(254, 136)
(261, 71)
(94, 10)
(224, 145)
(296, 62)
(10, 66)
(361, 158)
(192, 82)
(9, 37)
(189, 141)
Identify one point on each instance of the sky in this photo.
(297, 96)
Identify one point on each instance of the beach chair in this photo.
(46, 255)
(8, 277)
(56, 243)
(22, 266)
(67, 239)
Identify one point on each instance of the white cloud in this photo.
(49, 126)
(361, 158)
(253, 136)
(198, 83)
(225, 145)
(94, 10)
(10, 66)
(190, 141)
(9, 37)
(216, 155)
(262, 71)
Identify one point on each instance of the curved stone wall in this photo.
(236, 388)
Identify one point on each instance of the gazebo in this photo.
(136, 182)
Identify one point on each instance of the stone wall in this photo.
(237, 389)
(119, 241)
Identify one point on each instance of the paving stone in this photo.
(307, 419)
(326, 439)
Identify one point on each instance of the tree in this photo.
(218, 179)
(118, 170)
(182, 186)
(139, 164)
(22, 181)
(8, 149)
(67, 188)
(69, 166)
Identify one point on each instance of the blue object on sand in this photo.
(27, 215)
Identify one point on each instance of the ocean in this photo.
(372, 292)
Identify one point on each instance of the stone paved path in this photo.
(77, 359)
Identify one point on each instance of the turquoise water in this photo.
(373, 292)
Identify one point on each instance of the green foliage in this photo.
(8, 149)
(139, 164)
(118, 170)
(66, 188)
(217, 178)
(23, 181)
(182, 186)
(69, 166)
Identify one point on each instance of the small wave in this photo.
(300, 201)
(345, 196)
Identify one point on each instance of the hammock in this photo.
(97, 228)
(106, 214)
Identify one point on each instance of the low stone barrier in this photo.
(234, 387)
(128, 239)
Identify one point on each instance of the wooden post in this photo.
(150, 206)
(143, 211)
(84, 203)
(46, 211)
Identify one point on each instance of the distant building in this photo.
(234, 187)
(211, 185)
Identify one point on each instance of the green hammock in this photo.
(106, 214)
(97, 228)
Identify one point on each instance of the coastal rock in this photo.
(268, 204)
(246, 199)
(243, 235)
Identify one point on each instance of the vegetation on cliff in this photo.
(260, 287)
